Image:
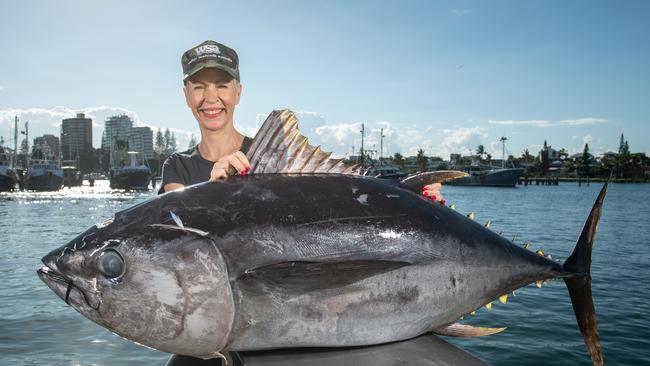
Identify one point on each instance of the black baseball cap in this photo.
(210, 54)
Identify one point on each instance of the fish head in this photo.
(158, 285)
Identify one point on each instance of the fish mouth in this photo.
(63, 287)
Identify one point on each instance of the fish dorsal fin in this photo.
(279, 147)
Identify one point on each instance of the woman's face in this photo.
(212, 95)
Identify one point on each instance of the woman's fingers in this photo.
(219, 171)
(229, 165)
(432, 191)
(244, 165)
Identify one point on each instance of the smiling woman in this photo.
(212, 92)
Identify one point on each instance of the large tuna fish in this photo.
(328, 258)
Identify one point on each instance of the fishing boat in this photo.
(128, 169)
(71, 175)
(8, 175)
(43, 175)
(487, 175)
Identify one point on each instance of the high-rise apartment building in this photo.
(116, 128)
(76, 136)
(141, 140)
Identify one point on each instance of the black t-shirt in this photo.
(189, 167)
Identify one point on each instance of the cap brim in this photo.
(210, 64)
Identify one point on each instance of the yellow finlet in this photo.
(514, 294)
(473, 313)
(452, 206)
(488, 224)
(503, 299)
(471, 215)
(488, 306)
(539, 283)
(539, 252)
(526, 245)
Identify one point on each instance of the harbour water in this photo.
(37, 328)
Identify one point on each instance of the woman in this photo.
(212, 92)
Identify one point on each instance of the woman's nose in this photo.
(211, 93)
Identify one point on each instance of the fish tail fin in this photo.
(579, 281)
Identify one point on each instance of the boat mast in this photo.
(363, 131)
(15, 160)
(27, 155)
(503, 151)
(381, 145)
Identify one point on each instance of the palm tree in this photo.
(421, 160)
(399, 160)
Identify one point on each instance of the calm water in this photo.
(37, 328)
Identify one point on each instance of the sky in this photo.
(442, 76)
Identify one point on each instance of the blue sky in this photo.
(444, 76)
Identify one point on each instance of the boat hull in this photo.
(131, 180)
(47, 180)
(490, 178)
(7, 182)
(72, 178)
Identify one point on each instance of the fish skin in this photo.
(262, 228)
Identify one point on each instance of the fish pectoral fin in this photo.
(311, 276)
(417, 181)
(466, 330)
(178, 230)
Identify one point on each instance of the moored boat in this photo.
(43, 175)
(488, 176)
(8, 175)
(71, 176)
(130, 174)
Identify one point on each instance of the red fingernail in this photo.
(243, 173)
(433, 198)
(442, 201)
(248, 168)
(425, 194)
(424, 188)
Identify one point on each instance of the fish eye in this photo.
(111, 264)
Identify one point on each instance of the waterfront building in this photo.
(141, 140)
(116, 128)
(76, 136)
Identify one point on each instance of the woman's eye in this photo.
(111, 264)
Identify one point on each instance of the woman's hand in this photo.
(433, 192)
(229, 165)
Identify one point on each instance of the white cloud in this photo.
(587, 139)
(544, 123)
(344, 138)
(583, 121)
(48, 121)
(532, 122)
(462, 140)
